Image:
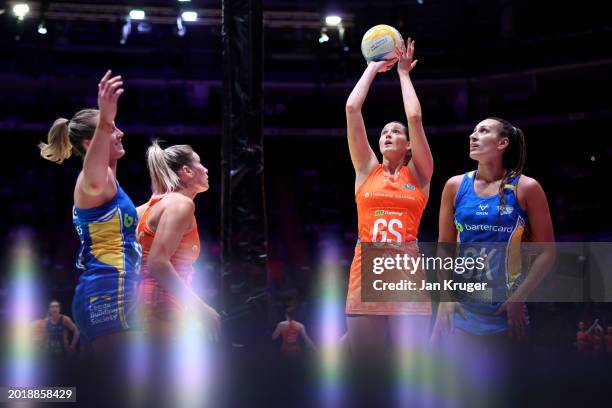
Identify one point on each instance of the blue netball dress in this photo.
(486, 220)
(109, 260)
(55, 336)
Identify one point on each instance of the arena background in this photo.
(543, 65)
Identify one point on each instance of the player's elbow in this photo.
(93, 188)
(414, 116)
(352, 108)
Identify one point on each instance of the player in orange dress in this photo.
(390, 197)
(168, 233)
(291, 330)
(584, 340)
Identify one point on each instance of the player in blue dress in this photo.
(490, 209)
(496, 204)
(104, 217)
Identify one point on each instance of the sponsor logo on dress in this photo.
(483, 208)
(505, 209)
(410, 186)
(458, 226)
(128, 221)
(378, 213)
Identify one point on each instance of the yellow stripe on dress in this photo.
(514, 253)
(107, 247)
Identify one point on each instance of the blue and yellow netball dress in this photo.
(109, 258)
(485, 220)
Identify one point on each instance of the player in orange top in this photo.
(291, 330)
(583, 337)
(168, 233)
(390, 197)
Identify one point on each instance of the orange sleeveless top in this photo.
(583, 341)
(151, 293)
(291, 344)
(389, 209)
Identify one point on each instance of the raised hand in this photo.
(383, 65)
(405, 57)
(109, 91)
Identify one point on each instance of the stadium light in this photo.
(137, 14)
(333, 20)
(189, 16)
(20, 10)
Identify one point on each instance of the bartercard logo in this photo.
(487, 227)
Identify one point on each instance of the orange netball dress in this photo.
(158, 305)
(291, 344)
(389, 209)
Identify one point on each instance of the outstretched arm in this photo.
(593, 326)
(422, 160)
(96, 174)
(363, 157)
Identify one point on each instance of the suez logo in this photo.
(482, 227)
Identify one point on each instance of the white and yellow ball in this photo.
(378, 43)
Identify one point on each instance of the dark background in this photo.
(543, 65)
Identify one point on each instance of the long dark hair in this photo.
(515, 155)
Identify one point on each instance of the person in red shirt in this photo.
(291, 330)
(583, 337)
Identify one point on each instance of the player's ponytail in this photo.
(515, 155)
(66, 136)
(58, 147)
(165, 164)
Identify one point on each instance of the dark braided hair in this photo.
(515, 155)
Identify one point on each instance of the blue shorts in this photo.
(102, 306)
